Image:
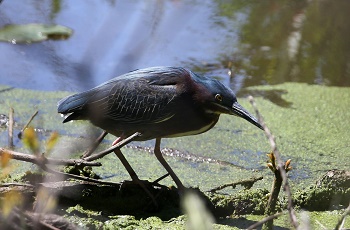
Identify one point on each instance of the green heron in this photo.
(158, 102)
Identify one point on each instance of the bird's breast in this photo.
(194, 131)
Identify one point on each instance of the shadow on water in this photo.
(275, 96)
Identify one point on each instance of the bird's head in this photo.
(217, 99)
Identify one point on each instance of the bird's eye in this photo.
(218, 97)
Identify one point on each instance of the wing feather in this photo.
(135, 101)
(141, 96)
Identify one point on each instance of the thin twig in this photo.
(9, 88)
(261, 222)
(160, 178)
(342, 219)
(35, 221)
(42, 162)
(111, 149)
(320, 224)
(247, 182)
(51, 161)
(16, 184)
(26, 125)
(11, 123)
(286, 187)
(95, 145)
(88, 179)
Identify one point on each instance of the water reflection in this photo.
(283, 41)
(241, 42)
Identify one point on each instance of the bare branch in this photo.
(15, 184)
(34, 220)
(33, 159)
(342, 219)
(42, 163)
(68, 175)
(160, 178)
(11, 123)
(248, 182)
(111, 149)
(261, 222)
(286, 187)
(95, 145)
(26, 125)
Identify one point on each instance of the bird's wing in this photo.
(141, 96)
(134, 101)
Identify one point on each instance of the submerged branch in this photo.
(245, 183)
(26, 125)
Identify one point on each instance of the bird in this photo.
(158, 102)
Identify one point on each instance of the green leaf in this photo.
(29, 33)
(30, 139)
(51, 142)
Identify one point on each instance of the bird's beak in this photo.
(239, 111)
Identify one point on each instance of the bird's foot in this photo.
(146, 186)
(137, 183)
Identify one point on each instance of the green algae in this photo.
(332, 191)
(317, 220)
(85, 171)
(243, 202)
(93, 220)
(311, 131)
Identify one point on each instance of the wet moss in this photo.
(86, 171)
(244, 202)
(88, 220)
(332, 191)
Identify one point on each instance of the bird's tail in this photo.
(73, 105)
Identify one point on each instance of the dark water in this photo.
(242, 42)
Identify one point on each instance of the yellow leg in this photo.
(133, 174)
(161, 159)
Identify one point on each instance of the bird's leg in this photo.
(161, 159)
(118, 139)
(131, 171)
(125, 163)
